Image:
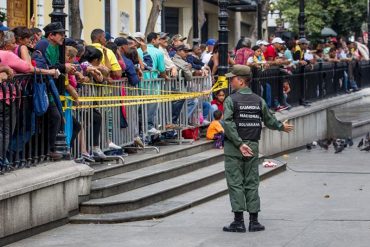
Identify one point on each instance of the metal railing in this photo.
(23, 135)
(310, 82)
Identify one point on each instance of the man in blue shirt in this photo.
(130, 70)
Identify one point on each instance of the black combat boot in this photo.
(237, 225)
(254, 225)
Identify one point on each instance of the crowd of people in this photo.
(137, 57)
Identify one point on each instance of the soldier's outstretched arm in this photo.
(269, 119)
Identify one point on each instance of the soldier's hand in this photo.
(246, 150)
(287, 127)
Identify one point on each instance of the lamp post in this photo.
(301, 19)
(223, 31)
(259, 19)
(195, 23)
(58, 15)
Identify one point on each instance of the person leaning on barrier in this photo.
(109, 58)
(180, 61)
(163, 45)
(194, 58)
(176, 41)
(130, 70)
(244, 113)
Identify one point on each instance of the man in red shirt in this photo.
(272, 50)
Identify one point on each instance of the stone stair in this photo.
(151, 185)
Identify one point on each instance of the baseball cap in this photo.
(302, 41)
(183, 48)
(277, 40)
(178, 37)
(108, 37)
(131, 36)
(211, 42)
(239, 70)
(120, 41)
(139, 35)
(163, 35)
(262, 42)
(334, 40)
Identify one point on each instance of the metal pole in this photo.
(58, 15)
(195, 23)
(301, 19)
(223, 33)
(259, 20)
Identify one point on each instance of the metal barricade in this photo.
(113, 121)
(22, 133)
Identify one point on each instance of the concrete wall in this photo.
(33, 198)
(310, 123)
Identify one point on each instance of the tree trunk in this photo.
(75, 19)
(201, 17)
(153, 17)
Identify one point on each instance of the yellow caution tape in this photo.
(131, 100)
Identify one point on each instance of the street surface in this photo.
(322, 200)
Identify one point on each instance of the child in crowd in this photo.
(218, 102)
(215, 130)
(286, 91)
(71, 121)
(258, 59)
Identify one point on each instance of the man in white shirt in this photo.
(163, 45)
(207, 54)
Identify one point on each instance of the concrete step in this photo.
(149, 158)
(156, 192)
(152, 174)
(169, 206)
(351, 121)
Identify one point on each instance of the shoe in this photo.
(113, 146)
(304, 103)
(87, 158)
(277, 109)
(205, 123)
(283, 107)
(138, 142)
(154, 131)
(254, 225)
(235, 226)
(98, 153)
(55, 156)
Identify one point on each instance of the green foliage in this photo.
(344, 16)
(2, 15)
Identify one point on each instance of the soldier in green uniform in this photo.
(244, 113)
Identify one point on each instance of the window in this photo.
(172, 20)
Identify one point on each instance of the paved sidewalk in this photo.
(324, 202)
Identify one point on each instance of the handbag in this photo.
(40, 97)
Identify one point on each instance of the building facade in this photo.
(120, 17)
